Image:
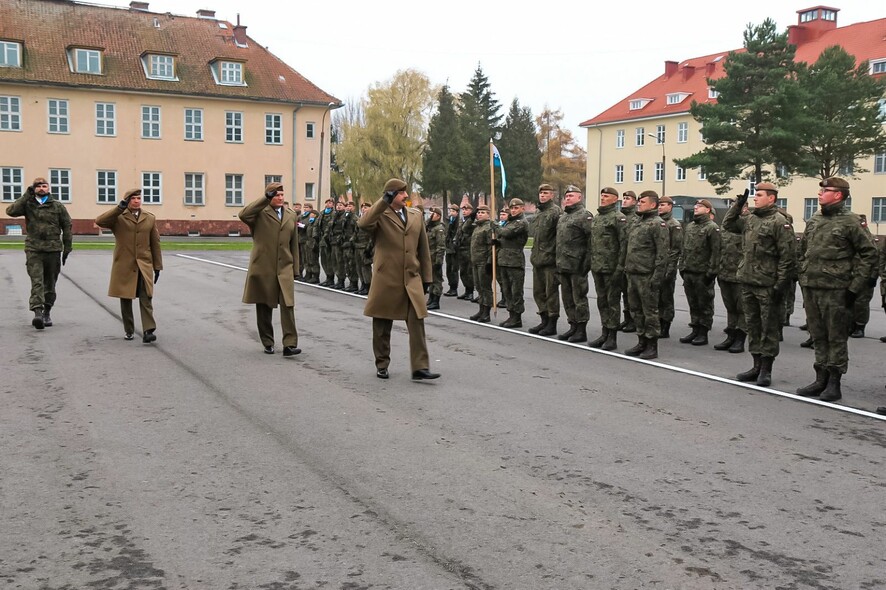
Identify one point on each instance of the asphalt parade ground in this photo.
(200, 462)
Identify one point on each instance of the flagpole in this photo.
(491, 210)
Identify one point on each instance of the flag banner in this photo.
(496, 159)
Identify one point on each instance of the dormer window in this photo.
(677, 97)
(228, 73)
(85, 61)
(638, 103)
(809, 16)
(878, 67)
(10, 54)
(159, 66)
(828, 14)
(712, 93)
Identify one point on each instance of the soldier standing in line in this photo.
(730, 291)
(481, 261)
(336, 241)
(511, 238)
(837, 255)
(325, 245)
(882, 265)
(312, 247)
(645, 264)
(502, 219)
(437, 248)
(699, 263)
(452, 266)
(363, 254)
(299, 216)
(675, 247)
(629, 210)
(347, 245)
(790, 297)
(861, 311)
(768, 261)
(573, 263)
(608, 239)
(463, 246)
(545, 287)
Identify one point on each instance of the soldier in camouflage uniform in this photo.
(882, 251)
(502, 219)
(452, 266)
(545, 288)
(348, 253)
(363, 253)
(608, 239)
(768, 261)
(675, 247)
(463, 246)
(312, 247)
(645, 264)
(837, 256)
(300, 218)
(337, 241)
(327, 261)
(861, 312)
(481, 260)
(437, 248)
(47, 245)
(730, 292)
(699, 263)
(573, 263)
(511, 238)
(629, 210)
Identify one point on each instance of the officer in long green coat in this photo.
(608, 239)
(699, 263)
(481, 261)
(545, 286)
(837, 258)
(669, 283)
(573, 263)
(511, 238)
(767, 264)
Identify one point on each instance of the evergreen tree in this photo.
(444, 155)
(755, 121)
(842, 114)
(479, 120)
(519, 150)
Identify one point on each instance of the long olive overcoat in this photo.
(273, 262)
(402, 262)
(136, 250)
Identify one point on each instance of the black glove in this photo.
(872, 282)
(156, 276)
(389, 197)
(425, 287)
(124, 204)
(850, 299)
(742, 198)
(270, 194)
(31, 191)
(65, 256)
(495, 242)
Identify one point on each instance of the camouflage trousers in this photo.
(467, 272)
(790, 299)
(829, 322)
(482, 279)
(574, 293)
(302, 258)
(43, 269)
(350, 264)
(643, 298)
(512, 279)
(436, 287)
(326, 261)
(312, 262)
(730, 293)
(861, 311)
(763, 310)
(452, 269)
(338, 263)
(700, 297)
(364, 269)
(666, 298)
(609, 287)
(546, 289)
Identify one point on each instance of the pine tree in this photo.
(480, 120)
(444, 155)
(519, 150)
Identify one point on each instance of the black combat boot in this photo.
(804, 327)
(433, 302)
(466, 295)
(832, 392)
(753, 373)
(816, 387)
(452, 292)
(690, 336)
(730, 338)
(501, 304)
(808, 343)
(477, 315)
(541, 325)
(47, 321)
(665, 329)
(484, 314)
(597, 343)
(551, 328)
(629, 327)
(857, 331)
(352, 287)
(764, 379)
(738, 343)
(639, 347)
(701, 339)
(568, 333)
(581, 334)
(514, 320)
(149, 336)
(611, 339)
(37, 322)
(651, 350)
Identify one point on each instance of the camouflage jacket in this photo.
(48, 224)
(436, 242)
(349, 230)
(452, 225)
(701, 247)
(730, 256)
(337, 229)
(512, 237)
(768, 248)
(675, 243)
(836, 252)
(609, 231)
(463, 241)
(481, 242)
(544, 232)
(574, 240)
(647, 248)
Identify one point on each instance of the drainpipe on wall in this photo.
(599, 164)
(322, 136)
(294, 139)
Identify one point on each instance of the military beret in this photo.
(482, 208)
(649, 194)
(572, 189)
(437, 210)
(469, 206)
(394, 185)
(630, 194)
(39, 180)
(834, 182)
(661, 200)
(767, 186)
(453, 206)
(516, 203)
(545, 187)
(132, 193)
(705, 203)
(273, 187)
(608, 190)
(365, 204)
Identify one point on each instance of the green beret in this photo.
(516, 203)
(273, 187)
(649, 194)
(545, 187)
(133, 193)
(767, 186)
(609, 191)
(833, 182)
(482, 208)
(394, 185)
(630, 194)
(661, 200)
(704, 203)
(572, 189)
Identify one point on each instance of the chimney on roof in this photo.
(709, 69)
(138, 5)
(670, 68)
(688, 72)
(812, 23)
(240, 33)
(204, 13)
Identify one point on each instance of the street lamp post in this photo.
(664, 173)
(322, 135)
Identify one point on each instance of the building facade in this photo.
(100, 100)
(633, 144)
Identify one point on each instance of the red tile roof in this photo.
(48, 28)
(863, 40)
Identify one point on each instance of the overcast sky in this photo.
(579, 57)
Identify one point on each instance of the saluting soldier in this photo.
(669, 284)
(837, 256)
(730, 291)
(481, 261)
(608, 239)
(452, 224)
(511, 237)
(463, 246)
(545, 287)
(573, 263)
(437, 247)
(699, 263)
(629, 210)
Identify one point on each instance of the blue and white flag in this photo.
(496, 161)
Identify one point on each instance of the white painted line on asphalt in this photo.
(584, 347)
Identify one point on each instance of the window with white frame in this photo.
(702, 173)
(808, 16)
(230, 72)
(878, 67)
(161, 67)
(781, 204)
(638, 172)
(194, 124)
(105, 119)
(234, 190)
(12, 183)
(619, 173)
(712, 93)
(676, 97)
(659, 171)
(309, 130)
(620, 138)
(680, 173)
(10, 113)
(58, 115)
(150, 125)
(106, 186)
(638, 103)
(878, 209)
(809, 208)
(152, 188)
(194, 188)
(828, 14)
(659, 134)
(847, 167)
(269, 178)
(640, 135)
(87, 61)
(273, 128)
(60, 181)
(309, 191)
(10, 54)
(880, 163)
(233, 127)
(682, 132)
